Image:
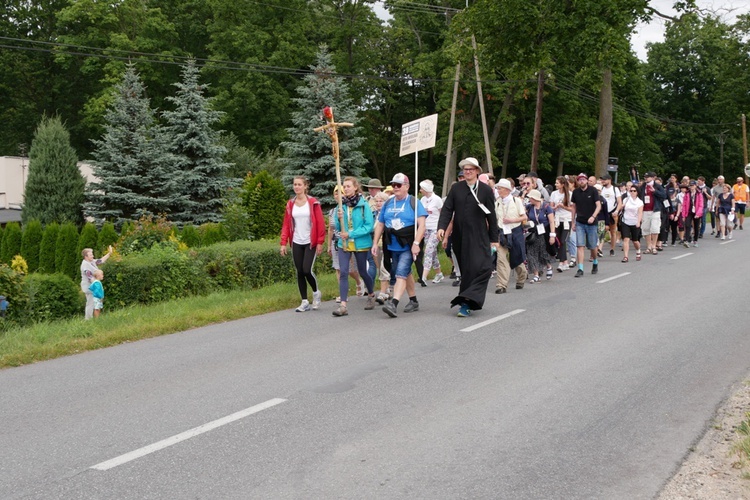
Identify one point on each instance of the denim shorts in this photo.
(401, 264)
(586, 235)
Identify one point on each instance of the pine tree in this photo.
(197, 150)
(30, 243)
(135, 170)
(308, 152)
(55, 187)
(67, 257)
(11, 245)
(47, 248)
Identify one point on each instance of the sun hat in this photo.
(470, 161)
(535, 195)
(374, 183)
(427, 185)
(503, 183)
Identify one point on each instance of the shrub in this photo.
(67, 257)
(127, 227)
(11, 245)
(30, 244)
(211, 233)
(47, 248)
(265, 200)
(189, 236)
(145, 234)
(88, 238)
(53, 296)
(107, 236)
(19, 265)
(160, 273)
(12, 287)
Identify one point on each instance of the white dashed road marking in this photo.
(492, 320)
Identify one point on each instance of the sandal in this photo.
(638, 256)
(648, 250)
(549, 273)
(533, 280)
(624, 259)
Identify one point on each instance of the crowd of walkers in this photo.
(492, 228)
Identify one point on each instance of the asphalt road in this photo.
(581, 390)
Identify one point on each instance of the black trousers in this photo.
(304, 259)
(694, 223)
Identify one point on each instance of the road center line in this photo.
(728, 241)
(164, 443)
(613, 277)
(492, 320)
(681, 256)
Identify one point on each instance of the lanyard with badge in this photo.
(481, 206)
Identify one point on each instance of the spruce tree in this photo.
(197, 150)
(47, 248)
(11, 245)
(134, 168)
(55, 187)
(308, 152)
(67, 257)
(30, 244)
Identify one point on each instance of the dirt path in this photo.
(712, 471)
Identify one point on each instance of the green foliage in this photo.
(308, 152)
(12, 287)
(264, 200)
(189, 236)
(19, 265)
(54, 189)
(31, 242)
(67, 257)
(47, 248)
(157, 274)
(127, 227)
(211, 233)
(89, 237)
(107, 236)
(236, 221)
(52, 297)
(11, 245)
(145, 233)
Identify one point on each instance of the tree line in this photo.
(676, 112)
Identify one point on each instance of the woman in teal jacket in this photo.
(355, 224)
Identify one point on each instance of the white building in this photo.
(14, 171)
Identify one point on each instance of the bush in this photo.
(88, 238)
(107, 236)
(19, 265)
(265, 200)
(146, 233)
(189, 236)
(211, 233)
(13, 288)
(67, 257)
(30, 244)
(47, 248)
(53, 296)
(11, 245)
(160, 273)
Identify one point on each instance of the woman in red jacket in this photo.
(305, 229)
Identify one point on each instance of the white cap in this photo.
(427, 185)
(503, 183)
(399, 178)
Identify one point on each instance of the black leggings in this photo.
(562, 237)
(304, 259)
(692, 222)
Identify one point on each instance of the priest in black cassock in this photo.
(471, 205)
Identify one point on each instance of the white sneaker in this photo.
(562, 267)
(316, 300)
(303, 307)
(438, 278)
(730, 236)
(723, 237)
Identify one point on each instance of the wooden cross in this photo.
(332, 129)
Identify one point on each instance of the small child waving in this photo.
(97, 290)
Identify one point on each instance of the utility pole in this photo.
(537, 121)
(480, 95)
(448, 174)
(722, 140)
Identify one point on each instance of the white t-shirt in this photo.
(432, 205)
(302, 224)
(630, 210)
(561, 215)
(611, 194)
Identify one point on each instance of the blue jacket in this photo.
(361, 227)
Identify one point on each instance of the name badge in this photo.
(540, 229)
(646, 199)
(566, 225)
(484, 209)
(506, 229)
(666, 204)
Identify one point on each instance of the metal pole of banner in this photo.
(416, 190)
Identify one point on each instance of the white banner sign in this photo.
(418, 135)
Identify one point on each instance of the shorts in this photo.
(630, 232)
(651, 223)
(739, 208)
(401, 264)
(98, 304)
(586, 235)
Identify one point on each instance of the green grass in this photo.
(50, 340)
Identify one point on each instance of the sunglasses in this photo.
(396, 185)
(633, 190)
